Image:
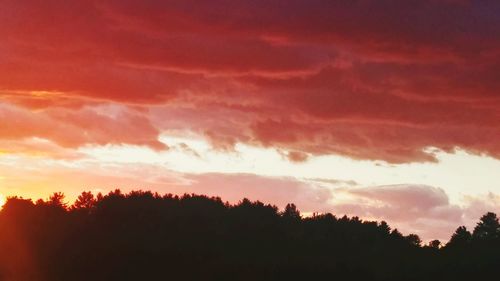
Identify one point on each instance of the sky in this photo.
(386, 110)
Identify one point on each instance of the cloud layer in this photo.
(313, 77)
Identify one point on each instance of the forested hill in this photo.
(145, 236)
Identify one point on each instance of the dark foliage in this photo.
(146, 236)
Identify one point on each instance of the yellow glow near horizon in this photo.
(459, 173)
(464, 177)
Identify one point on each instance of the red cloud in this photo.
(297, 156)
(316, 76)
(77, 128)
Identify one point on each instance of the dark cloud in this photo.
(366, 79)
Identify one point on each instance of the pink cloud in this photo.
(423, 209)
(73, 129)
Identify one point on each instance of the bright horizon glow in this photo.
(130, 167)
(2, 200)
(460, 173)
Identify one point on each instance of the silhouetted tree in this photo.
(435, 244)
(385, 227)
(57, 200)
(396, 234)
(414, 239)
(291, 212)
(85, 201)
(145, 236)
(487, 228)
(460, 237)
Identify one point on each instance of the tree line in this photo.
(147, 236)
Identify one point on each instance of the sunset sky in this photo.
(387, 109)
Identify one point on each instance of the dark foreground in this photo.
(145, 236)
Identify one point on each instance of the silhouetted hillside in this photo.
(146, 236)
